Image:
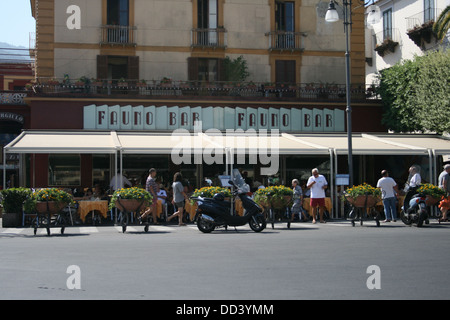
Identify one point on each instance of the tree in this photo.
(415, 94)
(236, 69)
(442, 24)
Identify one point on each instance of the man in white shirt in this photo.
(118, 182)
(317, 185)
(389, 191)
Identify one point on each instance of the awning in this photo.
(64, 142)
(35, 141)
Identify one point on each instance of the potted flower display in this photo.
(209, 192)
(277, 197)
(49, 200)
(433, 193)
(130, 199)
(363, 195)
(12, 200)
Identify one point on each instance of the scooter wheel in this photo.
(205, 226)
(257, 223)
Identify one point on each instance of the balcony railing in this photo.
(283, 40)
(221, 90)
(13, 97)
(421, 18)
(118, 35)
(209, 38)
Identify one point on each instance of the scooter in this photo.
(417, 212)
(216, 212)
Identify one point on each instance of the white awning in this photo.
(64, 142)
(92, 142)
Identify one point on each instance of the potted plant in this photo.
(82, 81)
(363, 195)
(209, 192)
(130, 199)
(49, 200)
(277, 197)
(123, 82)
(386, 45)
(142, 83)
(433, 193)
(12, 201)
(166, 82)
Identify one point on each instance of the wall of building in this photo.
(163, 39)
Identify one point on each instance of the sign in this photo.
(171, 118)
(9, 116)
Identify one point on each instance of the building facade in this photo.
(403, 32)
(282, 41)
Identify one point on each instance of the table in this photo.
(86, 206)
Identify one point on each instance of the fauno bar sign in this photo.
(171, 118)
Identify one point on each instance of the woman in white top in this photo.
(413, 183)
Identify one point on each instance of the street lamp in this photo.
(332, 16)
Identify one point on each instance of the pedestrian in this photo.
(412, 184)
(444, 183)
(119, 181)
(317, 185)
(389, 191)
(152, 187)
(297, 199)
(179, 197)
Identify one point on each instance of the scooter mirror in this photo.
(231, 182)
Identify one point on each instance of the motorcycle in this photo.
(216, 212)
(417, 212)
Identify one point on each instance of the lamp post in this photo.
(332, 16)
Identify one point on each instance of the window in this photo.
(428, 13)
(285, 71)
(285, 25)
(118, 12)
(284, 16)
(387, 24)
(207, 20)
(205, 69)
(117, 67)
(64, 170)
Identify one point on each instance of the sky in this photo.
(16, 22)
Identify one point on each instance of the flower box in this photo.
(360, 201)
(51, 207)
(130, 205)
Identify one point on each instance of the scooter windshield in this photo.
(237, 178)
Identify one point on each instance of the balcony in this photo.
(386, 41)
(224, 91)
(286, 41)
(209, 38)
(420, 27)
(118, 35)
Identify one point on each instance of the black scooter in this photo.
(417, 212)
(216, 212)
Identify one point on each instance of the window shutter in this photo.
(192, 69)
(102, 67)
(133, 68)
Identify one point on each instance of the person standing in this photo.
(119, 182)
(444, 183)
(297, 199)
(179, 196)
(152, 187)
(317, 185)
(389, 191)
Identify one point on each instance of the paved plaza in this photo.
(307, 261)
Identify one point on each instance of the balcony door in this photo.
(207, 22)
(118, 19)
(285, 24)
